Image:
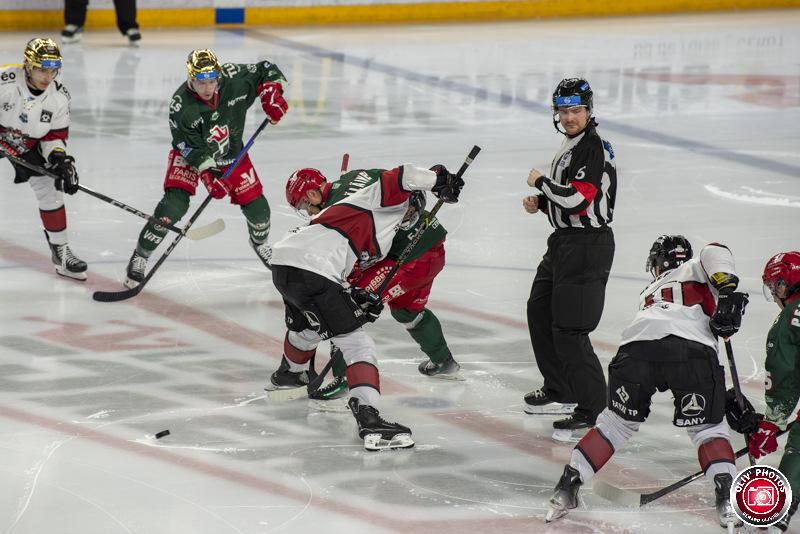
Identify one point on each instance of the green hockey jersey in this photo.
(354, 180)
(783, 364)
(209, 134)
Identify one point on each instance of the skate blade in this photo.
(554, 408)
(81, 277)
(569, 436)
(554, 513)
(374, 442)
(455, 377)
(276, 394)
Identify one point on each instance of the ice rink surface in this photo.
(703, 115)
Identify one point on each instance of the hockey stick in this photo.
(737, 388)
(345, 163)
(194, 234)
(635, 499)
(314, 384)
(114, 296)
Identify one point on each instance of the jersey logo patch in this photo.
(692, 404)
(23, 118)
(47, 116)
(219, 135)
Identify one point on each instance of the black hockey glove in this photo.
(743, 422)
(727, 318)
(369, 302)
(448, 185)
(64, 167)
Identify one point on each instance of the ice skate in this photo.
(538, 402)
(565, 496)
(722, 491)
(67, 264)
(264, 253)
(285, 385)
(335, 389)
(136, 270)
(378, 434)
(571, 429)
(134, 36)
(447, 370)
(71, 34)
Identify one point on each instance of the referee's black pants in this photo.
(75, 13)
(565, 305)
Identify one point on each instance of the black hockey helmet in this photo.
(668, 252)
(571, 92)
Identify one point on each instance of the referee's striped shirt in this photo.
(582, 187)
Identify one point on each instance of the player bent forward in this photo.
(34, 126)
(207, 117)
(310, 267)
(407, 294)
(671, 345)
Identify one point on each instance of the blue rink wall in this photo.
(46, 14)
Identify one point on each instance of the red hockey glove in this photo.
(764, 440)
(272, 101)
(216, 187)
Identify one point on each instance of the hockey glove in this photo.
(369, 302)
(217, 187)
(64, 166)
(765, 440)
(727, 318)
(272, 101)
(448, 185)
(741, 421)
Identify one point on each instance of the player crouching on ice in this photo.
(34, 126)
(206, 117)
(671, 345)
(310, 268)
(407, 294)
(781, 285)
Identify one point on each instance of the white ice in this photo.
(703, 114)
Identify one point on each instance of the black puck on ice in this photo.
(161, 434)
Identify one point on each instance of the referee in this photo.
(567, 295)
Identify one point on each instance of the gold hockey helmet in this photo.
(202, 64)
(42, 53)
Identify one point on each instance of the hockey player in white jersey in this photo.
(310, 267)
(34, 126)
(671, 345)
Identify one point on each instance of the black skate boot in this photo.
(538, 402)
(783, 524)
(134, 36)
(565, 496)
(572, 428)
(285, 384)
(71, 34)
(378, 434)
(67, 264)
(447, 370)
(264, 253)
(722, 492)
(135, 271)
(336, 388)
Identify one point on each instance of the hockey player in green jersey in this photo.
(782, 284)
(206, 117)
(407, 295)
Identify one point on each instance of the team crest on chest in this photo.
(46, 116)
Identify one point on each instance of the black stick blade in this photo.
(116, 296)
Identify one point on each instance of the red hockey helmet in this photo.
(301, 181)
(782, 275)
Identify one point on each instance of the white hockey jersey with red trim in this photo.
(681, 301)
(359, 228)
(28, 119)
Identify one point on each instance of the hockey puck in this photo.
(161, 434)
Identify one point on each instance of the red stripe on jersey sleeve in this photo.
(697, 293)
(53, 135)
(392, 192)
(355, 224)
(587, 190)
(363, 374)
